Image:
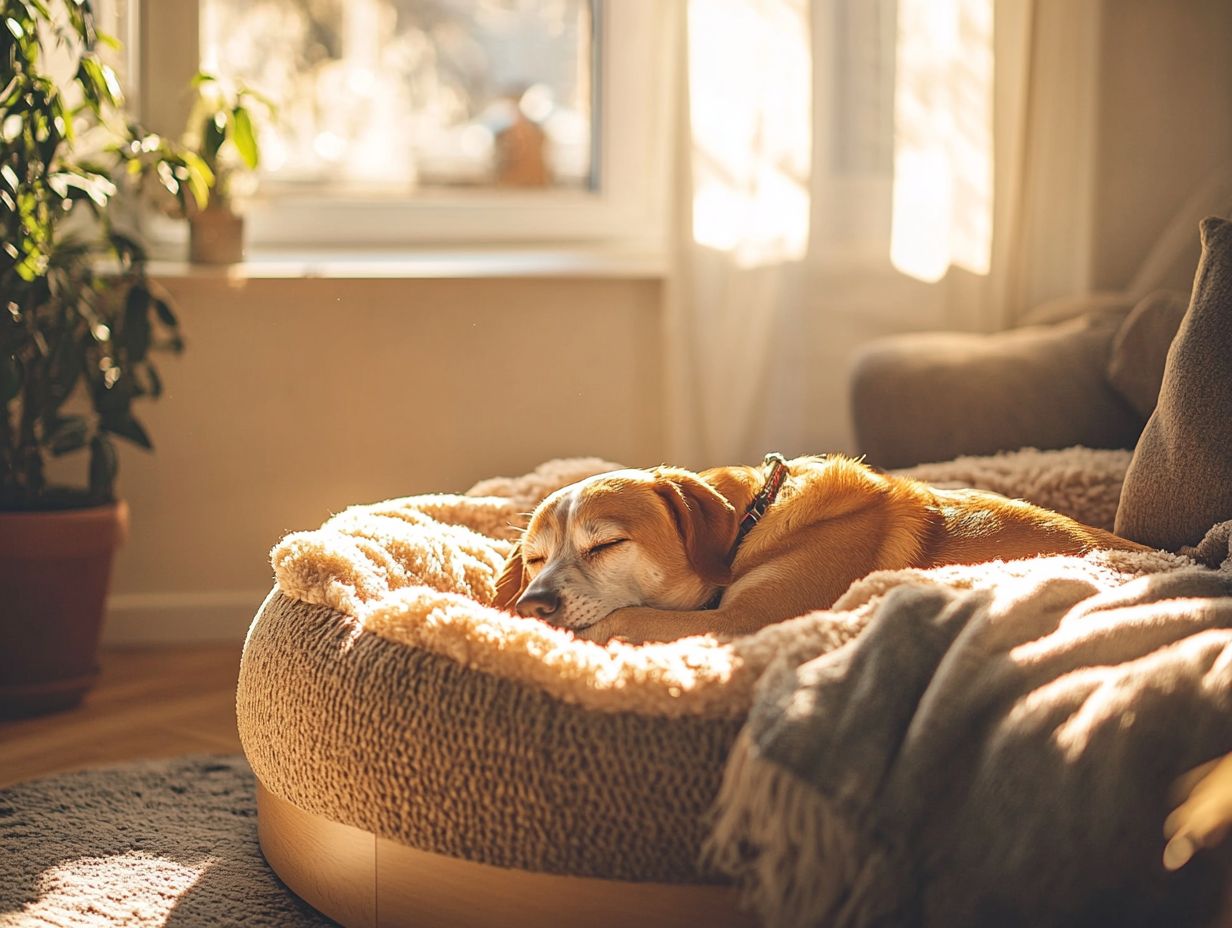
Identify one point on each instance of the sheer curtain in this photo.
(833, 153)
(743, 203)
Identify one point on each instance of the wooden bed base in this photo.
(363, 881)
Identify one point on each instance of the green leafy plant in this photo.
(79, 318)
(222, 130)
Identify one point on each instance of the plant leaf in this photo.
(213, 135)
(129, 428)
(103, 467)
(66, 364)
(244, 137)
(166, 177)
(261, 98)
(79, 186)
(137, 322)
(99, 83)
(10, 379)
(156, 382)
(200, 178)
(128, 249)
(66, 435)
(10, 178)
(165, 314)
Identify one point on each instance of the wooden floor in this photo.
(150, 702)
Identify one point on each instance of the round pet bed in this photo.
(424, 758)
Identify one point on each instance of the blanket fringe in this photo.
(795, 856)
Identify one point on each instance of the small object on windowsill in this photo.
(222, 131)
(522, 155)
(521, 147)
(216, 235)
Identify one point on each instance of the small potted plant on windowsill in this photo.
(221, 131)
(79, 321)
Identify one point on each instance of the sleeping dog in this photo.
(660, 554)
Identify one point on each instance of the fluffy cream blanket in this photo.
(421, 570)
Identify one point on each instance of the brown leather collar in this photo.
(761, 502)
(757, 508)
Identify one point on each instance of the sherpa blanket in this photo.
(422, 570)
(996, 748)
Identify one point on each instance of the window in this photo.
(443, 121)
(397, 96)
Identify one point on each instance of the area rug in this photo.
(152, 843)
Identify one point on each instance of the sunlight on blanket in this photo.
(1109, 700)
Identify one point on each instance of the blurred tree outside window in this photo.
(391, 97)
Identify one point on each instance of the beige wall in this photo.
(1165, 122)
(299, 397)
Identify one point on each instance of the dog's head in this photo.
(659, 537)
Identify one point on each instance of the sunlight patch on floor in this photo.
(120, 889)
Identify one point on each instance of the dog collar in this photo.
(761, 502)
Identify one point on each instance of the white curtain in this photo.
(796, 179)
(943, 137)
(743, 219)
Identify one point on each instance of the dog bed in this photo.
(425, 757)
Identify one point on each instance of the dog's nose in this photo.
(538, 605)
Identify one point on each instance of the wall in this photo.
(298, 397)
(1165, 124)
(1126, 118)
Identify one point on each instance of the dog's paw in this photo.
(598, 632)
(607, 630)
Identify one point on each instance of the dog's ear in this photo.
(511, 584)
(707, 522)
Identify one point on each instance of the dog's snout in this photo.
(538, 605)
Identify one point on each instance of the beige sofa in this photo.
(1089, 379)
(1082, 370)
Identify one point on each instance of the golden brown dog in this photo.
(654, 555)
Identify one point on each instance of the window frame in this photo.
(634, 101)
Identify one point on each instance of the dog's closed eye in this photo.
(596, 550)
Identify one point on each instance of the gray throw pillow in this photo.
(1136, 367)
(1179, 482)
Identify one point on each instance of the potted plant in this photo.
(79, 322)
(221, 132)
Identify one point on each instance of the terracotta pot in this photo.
(55, 568)
(216, 236)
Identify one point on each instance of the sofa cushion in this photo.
(1103, 304)
(932, 396)
(1179, 482)
(1136, 366)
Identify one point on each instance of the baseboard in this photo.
(179, 618)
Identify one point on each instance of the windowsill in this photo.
(596, 262)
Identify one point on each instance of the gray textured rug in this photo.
(152, 843)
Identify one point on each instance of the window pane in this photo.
(386, 96)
